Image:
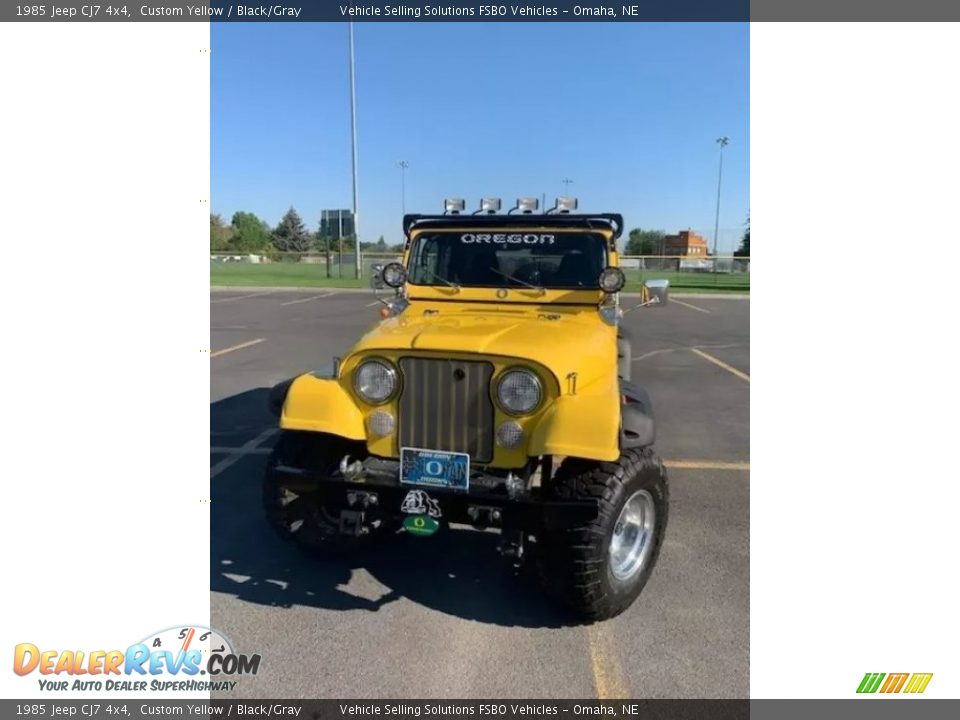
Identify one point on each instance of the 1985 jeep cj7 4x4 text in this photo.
(495, 392)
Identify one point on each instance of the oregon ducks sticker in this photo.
(421, 525)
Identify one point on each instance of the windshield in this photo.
(567, 260)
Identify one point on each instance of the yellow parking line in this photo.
(721, 363)
(706, 465)
(608, 677)
(241, 346)
(692, 307)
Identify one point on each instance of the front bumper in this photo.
(375, 488)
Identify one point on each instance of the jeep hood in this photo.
(562, 339)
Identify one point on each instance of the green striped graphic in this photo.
(871, 682)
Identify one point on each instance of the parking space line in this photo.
(231, 460)
(241, 297)
(692, 307)
(705, 465)
(721, 363)
(303, 300)
(608, 678)
(661, 351)
(241, 346)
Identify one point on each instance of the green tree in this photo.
(378, 247)
(220, 234)
(744, 249)
(291, 234)
(644, 242)
(250, 233)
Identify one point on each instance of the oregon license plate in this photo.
(435, 468)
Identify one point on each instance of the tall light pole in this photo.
(403, 165)
(566, 186)
(353, 146)
(716, 225)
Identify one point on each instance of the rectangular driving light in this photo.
(565, 204)
(453, 206)
(527, 205)
(489, 206)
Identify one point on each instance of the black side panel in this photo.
(638, 428)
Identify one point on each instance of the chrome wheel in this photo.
(632, 540)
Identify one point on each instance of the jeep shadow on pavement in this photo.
(249, 562)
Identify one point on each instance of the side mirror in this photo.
(656, 292)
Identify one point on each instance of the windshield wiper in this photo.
(540, 290)
(444, 281)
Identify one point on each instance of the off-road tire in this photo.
(574, 564)
(319, 533)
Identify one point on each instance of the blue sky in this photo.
(630, 112)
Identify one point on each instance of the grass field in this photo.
(282, 275)
(308, 275)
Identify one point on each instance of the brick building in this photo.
(686, 243)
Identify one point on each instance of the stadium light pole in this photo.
(353, 146)
(723, 141)
(566, 186)
(403, 165)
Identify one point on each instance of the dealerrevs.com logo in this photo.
(183, 658)
(911, 683)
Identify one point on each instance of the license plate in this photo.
(435, 468)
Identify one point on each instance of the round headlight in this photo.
(519, 392)
(394, 274)
(612, 279)
(375, 381)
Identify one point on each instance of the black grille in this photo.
(445, 405)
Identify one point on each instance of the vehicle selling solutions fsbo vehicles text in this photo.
(388, 11)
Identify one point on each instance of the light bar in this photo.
(489, 206)
(454, 206)
(527, 205)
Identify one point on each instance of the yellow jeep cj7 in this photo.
(494, 392)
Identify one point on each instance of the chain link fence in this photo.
(689, 273)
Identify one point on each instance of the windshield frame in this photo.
(494, 237)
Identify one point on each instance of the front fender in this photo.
(584, 426)
(321, 405)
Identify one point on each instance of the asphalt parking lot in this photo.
(442, 617)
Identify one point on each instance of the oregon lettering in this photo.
(512, 238)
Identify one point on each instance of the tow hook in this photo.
(350, 470)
